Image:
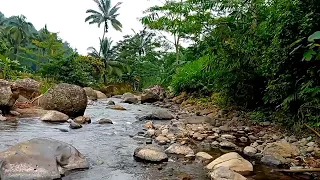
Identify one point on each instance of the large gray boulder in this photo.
(8, 96)
(28, 88)
(66, 98)
(153, 94)
(40, 159)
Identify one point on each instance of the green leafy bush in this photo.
(192, 77)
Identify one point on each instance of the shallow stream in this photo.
(110, 148)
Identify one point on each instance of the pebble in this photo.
(252, 138)
(250, 151)
(227, 144)
(228, 136)
(243, 139)
(310, 149)
(310, 144)
(215, 144)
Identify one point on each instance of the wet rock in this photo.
(63, 130)
(28, 88)
(105, 121)
(250, 151)
(227, 144)
(162, 140)
(203, 157)
(118, 107)
(233, 161)
(111, 103)
(148, 125)
(74, 125)
(40, 159)
(91, 94)
(179, 149)
(66, 98)
(55, 116)
(82, 120)
(272, 160)
(130, 100)
(158, 115)
(224, 173)
(150, 153)
(2, 118)
(281, 148)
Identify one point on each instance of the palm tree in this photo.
(141, 41)
(18, 29)
(111, 66)
(104, 15)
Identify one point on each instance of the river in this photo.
(109, 147)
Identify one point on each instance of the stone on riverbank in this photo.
(250, 151)
(66, 98)
(74, 125)
(111, 103)
(55, 116)
(281, 148)
(179, 150)
(105, 121)
(100, 95)
(118, 107)
(233, 161)
(157, 115)
(150, 153)
(8, 96)
(224, 173)
(91, 94)
(82, 120)
(28, 88)
(40, 159)
(130, 100)
(203, 157)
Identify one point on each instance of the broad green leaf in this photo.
(314, 36)
(309, 54)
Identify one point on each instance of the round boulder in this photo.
(40, 158)
(66, 98)
(150, 153)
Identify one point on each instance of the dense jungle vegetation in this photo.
(258, 55)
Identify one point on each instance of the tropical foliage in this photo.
(258, 55)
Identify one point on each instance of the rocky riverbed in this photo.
(120, 138)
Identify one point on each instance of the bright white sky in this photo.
(67, 17)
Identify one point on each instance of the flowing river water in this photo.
(109, 147)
